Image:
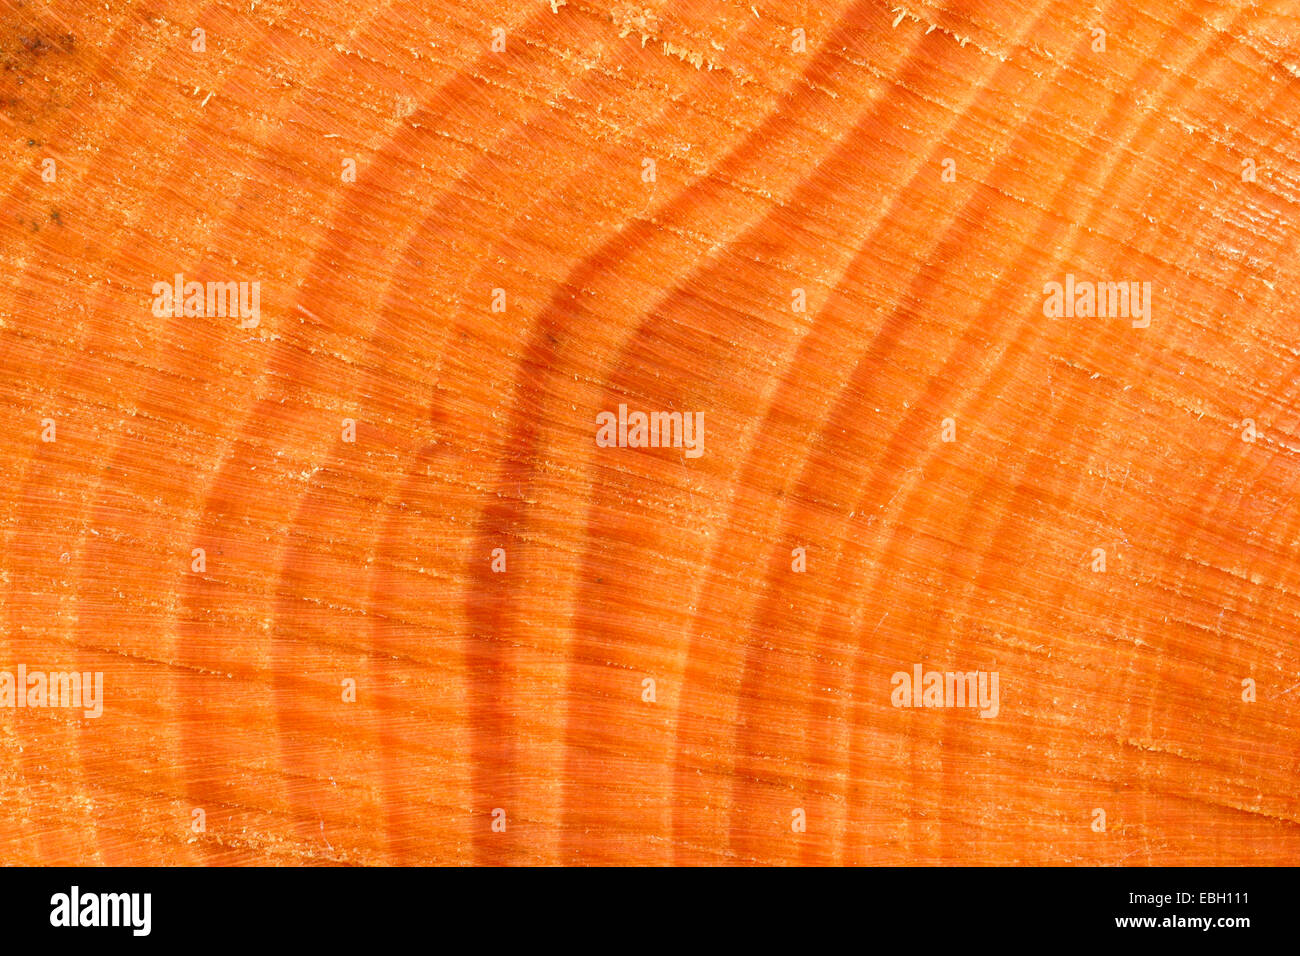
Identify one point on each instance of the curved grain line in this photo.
(499, 521)
(1019, 500)
(444, 218)
(1017, 269)
(807, 483)
(859, 384)
(433, 224)
(747, 740)
(83, 366)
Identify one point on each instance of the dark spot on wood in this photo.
(28, 54)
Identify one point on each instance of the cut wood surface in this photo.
(366, 585)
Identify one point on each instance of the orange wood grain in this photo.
(522, 169)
